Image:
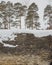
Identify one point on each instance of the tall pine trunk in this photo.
(9, 25)
(20, 22)
(4, 26)
(9, 22)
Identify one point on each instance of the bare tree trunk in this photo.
(9, 25)
(25, 25)
(9, 22)
(32, 23)
(20, 22)
(4, 26)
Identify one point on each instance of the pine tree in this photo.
(17, 8)
(19, 12)
(2, 10)
(9, 12)
(32, 16)
(48, 15)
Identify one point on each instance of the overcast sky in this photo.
(29, 1)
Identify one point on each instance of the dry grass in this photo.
(21, 60)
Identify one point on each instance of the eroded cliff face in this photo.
(31, 50)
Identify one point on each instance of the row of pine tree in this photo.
(10, 15)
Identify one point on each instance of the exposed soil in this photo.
(31, 50)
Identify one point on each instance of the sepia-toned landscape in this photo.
(25, 32)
